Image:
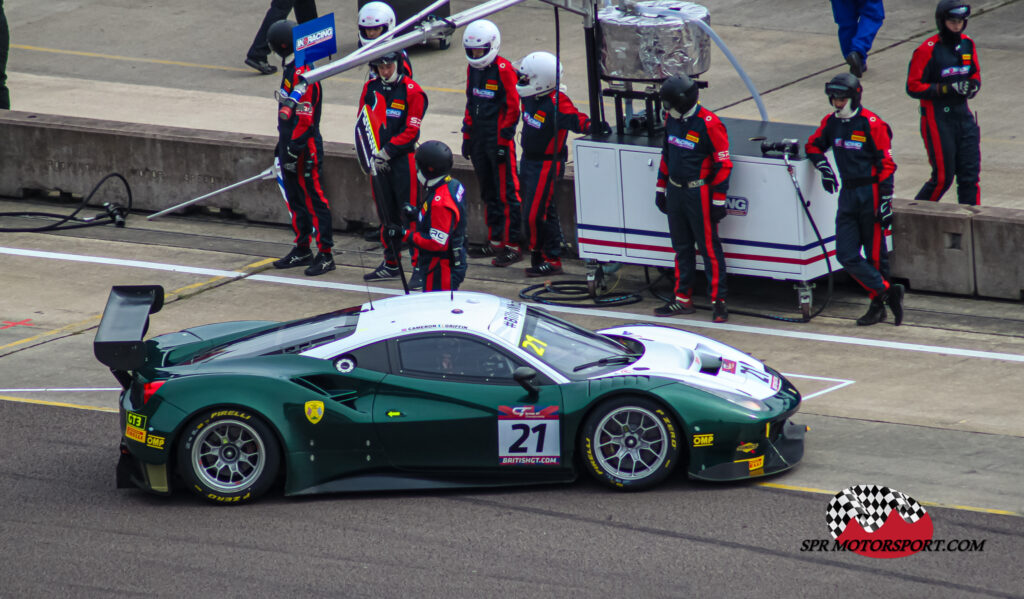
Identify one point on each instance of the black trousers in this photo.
(499, 190)
(310, 212)
(5, 43)
(689, 224)
(539, 179)
(305, 10)
(953, 143)
(391, 190)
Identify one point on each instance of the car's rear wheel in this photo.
(228, 456)
(629, 443)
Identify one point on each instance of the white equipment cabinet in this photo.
(766, 234)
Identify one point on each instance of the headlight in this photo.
(739, 399)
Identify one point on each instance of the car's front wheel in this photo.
(630, 443)
(228, 456)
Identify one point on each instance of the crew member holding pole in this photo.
(394, 184)
(299, 148)
(692, 182)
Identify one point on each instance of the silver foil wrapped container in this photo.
(635, 47)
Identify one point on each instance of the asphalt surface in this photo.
(927, 408)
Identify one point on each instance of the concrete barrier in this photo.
(999, 252)
(933, 246)
(168, 165)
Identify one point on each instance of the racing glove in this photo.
(828, 178)
(659, 201)
(718, 211)
(502, 152)
(603, 129)
(961, 88)
(393, 232)
(972, 88)
(884, 215)
(408, 213)
(380, 161)
(466, 147)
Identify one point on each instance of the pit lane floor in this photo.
(929, 408)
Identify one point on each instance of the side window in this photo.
(456, 358)
(371, 357)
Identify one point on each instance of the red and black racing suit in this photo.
(299, 136)
(406, 104)
(948, 127)
(694, 174)
(492, 112)
(439, 235)
(862, 152)
(543, 163)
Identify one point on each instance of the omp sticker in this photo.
(529, 436)
(706, 440)
(135, 434)
(155, 442)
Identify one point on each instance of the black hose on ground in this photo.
(112, 213)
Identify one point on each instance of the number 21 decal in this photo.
(528, 436)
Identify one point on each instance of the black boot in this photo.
(894, 299)
(875, 313)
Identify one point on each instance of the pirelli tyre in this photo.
(629, 443)
(228, 456)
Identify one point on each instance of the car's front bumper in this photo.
(775, 454)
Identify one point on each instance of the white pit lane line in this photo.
(601, 313)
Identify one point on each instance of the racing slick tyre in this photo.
(228, 456)
(629, 443)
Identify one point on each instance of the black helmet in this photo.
(390, 57)
(679, 92)
(280, 37)
(845, 85)
(951, 9)
(433, 159)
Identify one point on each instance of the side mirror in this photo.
(524, 375)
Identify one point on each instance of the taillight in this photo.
(149, 389)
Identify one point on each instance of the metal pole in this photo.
(267, 174)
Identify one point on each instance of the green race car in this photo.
(433, 390)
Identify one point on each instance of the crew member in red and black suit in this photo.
(438, 228)
(943, 75)
(488, 139)
(544, 156)
(299, 150)
(693, 179)
(861, 145)
(395, 182)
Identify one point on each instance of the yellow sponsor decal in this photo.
(703, 440)
(747, 447)
(531, 342)
(539, 117)
(136, 420)
(135, 434)
(966, 57)
(314, 411)
(692, 137)
(397, 104)
(858, 138)
(753, 463)
(491, 86)
(155, 442)
(231, 413)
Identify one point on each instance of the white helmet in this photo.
(375, 14)
(482, 34)
(537, 74)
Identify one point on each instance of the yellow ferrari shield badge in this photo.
(314, 411)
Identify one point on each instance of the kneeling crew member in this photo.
(395, 181)
(692, 182)
(862, 151)
(299, 148)
(438, 228)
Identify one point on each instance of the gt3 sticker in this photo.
(135, 427)
(529, 436)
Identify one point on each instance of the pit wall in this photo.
(941, 247)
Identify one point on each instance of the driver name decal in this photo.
(528, 436)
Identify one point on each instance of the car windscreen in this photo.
(287, 338)
(565, 346)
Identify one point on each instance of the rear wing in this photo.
(118, 343)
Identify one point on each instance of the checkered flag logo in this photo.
(871, 506)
